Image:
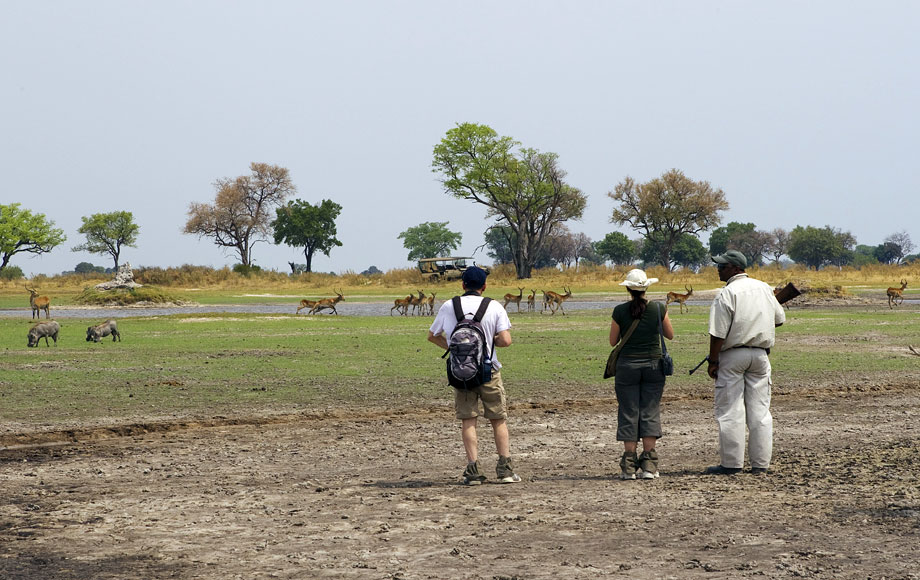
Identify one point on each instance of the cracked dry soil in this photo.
(378, 496)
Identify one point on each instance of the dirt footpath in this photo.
(379, 497)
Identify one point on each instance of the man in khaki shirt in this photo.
(742, 323)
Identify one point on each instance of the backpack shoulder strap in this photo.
(483, 306)
(458, 309)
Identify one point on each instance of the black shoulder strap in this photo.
(483, 306)
(458, 309)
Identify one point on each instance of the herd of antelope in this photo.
(420, 305)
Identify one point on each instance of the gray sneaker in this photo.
(629, 463)
(505, 472)
(472, 475)
(648, 465)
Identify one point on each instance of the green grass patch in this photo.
(214, 364)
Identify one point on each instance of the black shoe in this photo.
(719, 470)
(758, 471)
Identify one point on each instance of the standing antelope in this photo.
(555, 300)
(417, 302)
(38, 304)
(430, 303)
(680, 298)
(401, 305)
(509, 298)
(895, 295)
(531, 301)
(328, 303)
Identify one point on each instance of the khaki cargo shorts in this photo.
(492, 395)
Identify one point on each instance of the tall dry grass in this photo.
(586, 278)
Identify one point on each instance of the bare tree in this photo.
(241, 213)
(779, 243)
(902, 241)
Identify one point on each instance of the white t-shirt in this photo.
(745, 313)
(494, 321)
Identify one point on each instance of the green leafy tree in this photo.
(689, 252)
(107, 233)
(666, 208)
(617, 248)
(241, 215)
(430, 240)
(11, 273)
(87, 268)
(817, 247)
(311, 227)
(864, 255)
(721, 238)
(24, 231)
(524, 188)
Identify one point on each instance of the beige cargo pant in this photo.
(742, 398)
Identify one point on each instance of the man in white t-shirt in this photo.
(497, 328)
(742, 323)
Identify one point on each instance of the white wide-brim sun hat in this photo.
(637, 280)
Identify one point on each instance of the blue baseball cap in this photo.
(474, 278)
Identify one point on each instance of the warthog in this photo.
(100, 331)
(44, 330)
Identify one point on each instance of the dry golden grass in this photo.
(593, 279)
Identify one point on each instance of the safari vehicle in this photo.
(434, 269)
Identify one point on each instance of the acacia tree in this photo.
(241, 213)
(306, 226)
(106, 233)
(666, 208)
(523, 188)
(430, 240)
(24, 231)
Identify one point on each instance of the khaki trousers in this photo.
(742, 398)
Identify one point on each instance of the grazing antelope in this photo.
(556, 300)
(38, 304)
(328, 303)
(509, 298)
(895, 295)
(532, 301)
(680, 298)
(402, 305)
(306, 304)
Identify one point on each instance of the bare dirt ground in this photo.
(377, 495)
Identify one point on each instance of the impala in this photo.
(554, 300)
(306, 304)
(430, 303)
(328, 303)
(38, 304)
(509, 298)
(532, 301)
(680, 298)
(417, 302)
(402, 305)
(895, 295)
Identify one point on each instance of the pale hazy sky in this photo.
(804, 112)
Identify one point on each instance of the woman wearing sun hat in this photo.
(639, 378)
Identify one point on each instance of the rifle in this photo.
(782, 295)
